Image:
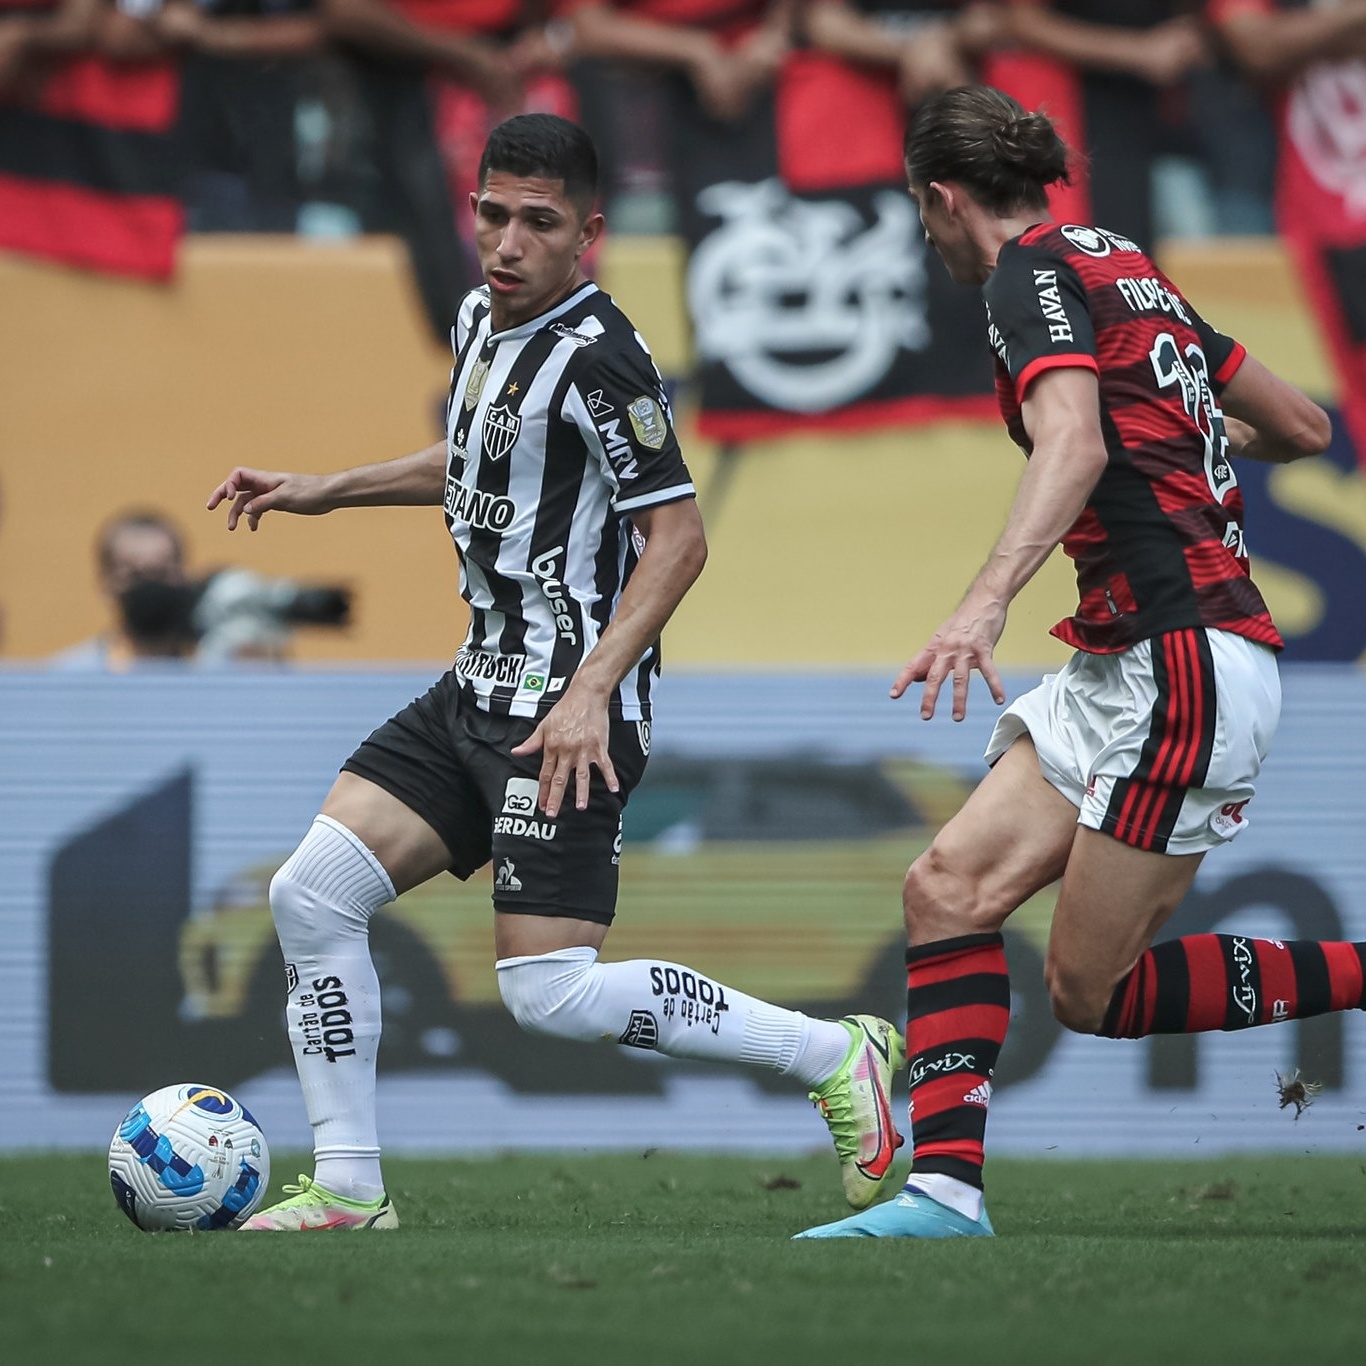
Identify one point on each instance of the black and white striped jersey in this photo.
(556, 432)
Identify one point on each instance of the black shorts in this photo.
(451, 763)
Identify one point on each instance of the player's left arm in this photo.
(1268, 418)
(618, 404)
(573, 738)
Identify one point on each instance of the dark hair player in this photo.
(573, 514)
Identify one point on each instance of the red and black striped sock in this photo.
(957, 1013)
(1225, 981)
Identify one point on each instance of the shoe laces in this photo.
(839, 1115)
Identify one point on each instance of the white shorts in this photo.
(1159, 746)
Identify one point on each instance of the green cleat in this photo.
(312, 1208)
(857, 1105)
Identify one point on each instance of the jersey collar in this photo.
(541, 319)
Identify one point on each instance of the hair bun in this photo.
(1005, 141)
(987, 140)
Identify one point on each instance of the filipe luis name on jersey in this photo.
(1147, 294)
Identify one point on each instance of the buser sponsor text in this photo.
(547, 571)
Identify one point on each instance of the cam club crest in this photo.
(501, 426)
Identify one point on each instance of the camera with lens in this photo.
(232, 614)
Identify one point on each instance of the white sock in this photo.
(826, 1047)
(948, 1190)
(322, 900)
(667, 1008)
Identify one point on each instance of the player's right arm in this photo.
(1050, 355)
(1061, 413)
(416, 480)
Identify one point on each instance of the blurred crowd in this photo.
(331, 117)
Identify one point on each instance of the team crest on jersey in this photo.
(1086, 239)
(501, 426)
(1096, 241)
(474, 386)
(647, 421)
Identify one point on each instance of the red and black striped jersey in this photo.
(1159, 546)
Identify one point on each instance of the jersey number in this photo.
(1190, 375)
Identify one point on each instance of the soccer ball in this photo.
(188, 1157)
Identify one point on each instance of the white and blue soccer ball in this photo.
(188, 1157)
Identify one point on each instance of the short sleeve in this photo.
(1038, 314)
(1223, 353)
(618, 403)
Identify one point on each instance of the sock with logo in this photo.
(322, 900)
(1225, 981)
(957, 1013)
(668, 1009)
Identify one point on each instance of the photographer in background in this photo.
(141, 561)
(161, 614)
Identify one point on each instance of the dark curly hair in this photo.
(987, 141)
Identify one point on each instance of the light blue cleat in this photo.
(912, 1214)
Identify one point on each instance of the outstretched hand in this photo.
(963, 643)
(572, 739)
(253, 493)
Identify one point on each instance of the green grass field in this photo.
(663, 1258)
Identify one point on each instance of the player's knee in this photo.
(307, 920)
(295, 907)
(942, 901)
(1078, 1003)
(547, 994)
(326, 890)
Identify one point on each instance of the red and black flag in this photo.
(88, 169)
(814, 298)
(815, 301)
(1321, 207)
(1321, 204)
